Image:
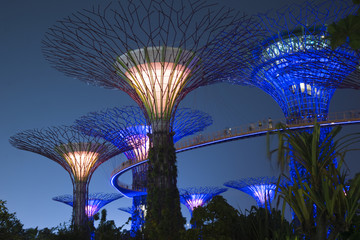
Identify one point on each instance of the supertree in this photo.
(115, 123)
(79, 154)
(296, 65)
(194, 197)
(262, 189)
(157, 52)
(94, 203)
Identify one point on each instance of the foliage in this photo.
(107, 229)
(346, 30)
(10, 226)
(322, 204)
(163, 219)
(219, 220)
(12, 229)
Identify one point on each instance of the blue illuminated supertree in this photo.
(94, 203)
(262, 189)
(296, 65)
(194, 197)
(113, 124)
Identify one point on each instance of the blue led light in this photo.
(262, 189)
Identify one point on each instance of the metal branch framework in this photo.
(129, 122)
(262, 189)
(94, 203)
(194, 197)
(79, 154)
(155, 51)
(296, 65)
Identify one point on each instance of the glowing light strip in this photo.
(114, 178)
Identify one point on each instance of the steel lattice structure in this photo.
(117, 125)
(157, 52)
(79, 154)
(113, 46)
(262, 189)
(296, 66)
(194, 197)
(94, 203)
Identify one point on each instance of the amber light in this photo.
(81, 163)
(159, 83)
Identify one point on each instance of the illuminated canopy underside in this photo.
(81, 158)
(139, 142)
(196, 200)
(263, 193)
(262, 189)
(158, 75)
(95, 202)
(198, 196)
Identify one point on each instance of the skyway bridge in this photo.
(232, 134)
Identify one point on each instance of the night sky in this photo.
(34, 95)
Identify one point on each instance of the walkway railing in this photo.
(234, 133)
(260, 128)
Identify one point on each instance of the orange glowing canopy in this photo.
(81, 158)
(158, 75)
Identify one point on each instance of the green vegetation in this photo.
(12, 229)
(219, 220)
(324, 205)
(163, 220)
(346, 30)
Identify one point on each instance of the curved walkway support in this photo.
(231, 134)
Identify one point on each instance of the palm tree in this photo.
(320, 199)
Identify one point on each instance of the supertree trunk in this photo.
(79, 214)
(163, 219)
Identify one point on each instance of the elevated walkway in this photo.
(232, 134)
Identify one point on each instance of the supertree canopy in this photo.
(94, 203)
(194, 197)
(79, 154)
(116, 123)
(129, 124)
(126, 209)
(262, 189)
(157, 52)
(296, 64)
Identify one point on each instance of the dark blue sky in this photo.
(34, 95)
